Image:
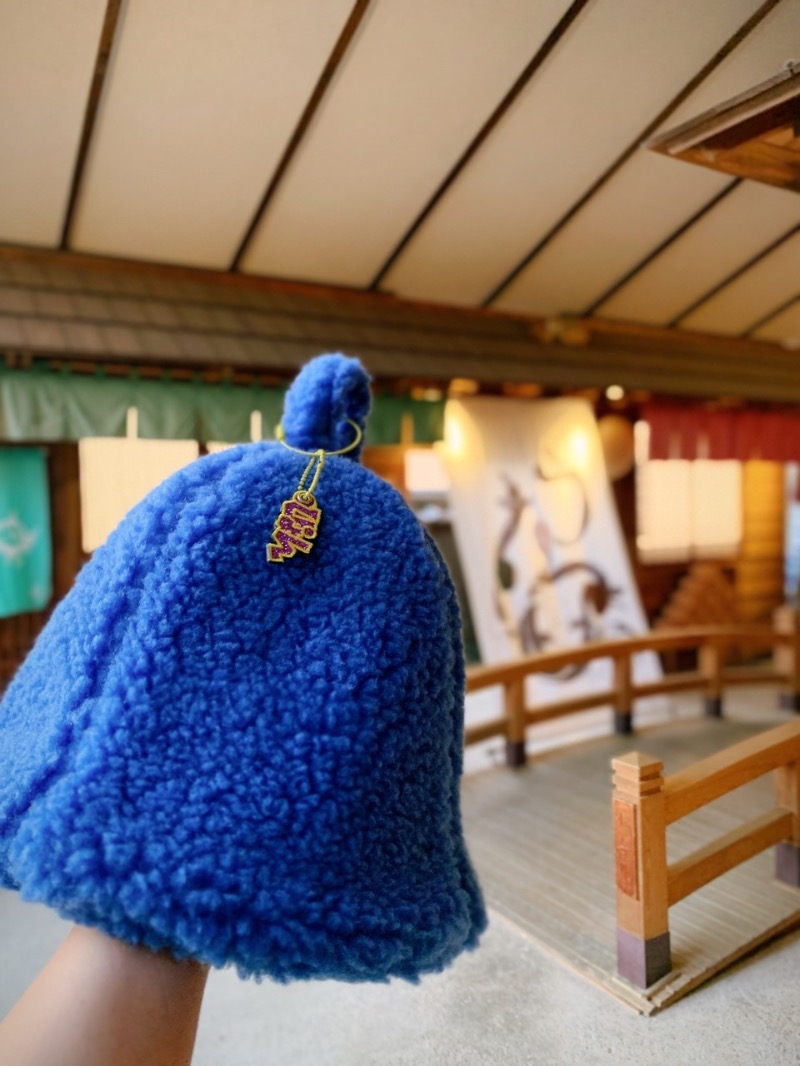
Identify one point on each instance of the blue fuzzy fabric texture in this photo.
(244, 762)
(315, 414)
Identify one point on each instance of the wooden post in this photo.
(787, 854)
(623, 695)
(786, 657)
(710, 656)
(640, 848)
(514, 700)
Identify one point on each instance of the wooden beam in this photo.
(549, 711)
(683, 682)
(340, 48)
(536, 61)
(727, 851)
(760, 101)
(640, 850)
(109, 30)
(275, 326)
(753, 136)
(658, 640)
(710, 778)
(496, 727)
(734, 41)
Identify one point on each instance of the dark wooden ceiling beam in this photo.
(637, 268)
(552, 40)
(737, 273)
(74, 307)
(733, 42)
(107, 37)
(320, 89)
(773, 314)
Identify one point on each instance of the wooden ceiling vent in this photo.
(755, 135)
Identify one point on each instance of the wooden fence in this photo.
(711, 678)
(645, 803)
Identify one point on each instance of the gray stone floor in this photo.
(507, 1003)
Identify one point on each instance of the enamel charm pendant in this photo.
(295, 527)
(298, 521)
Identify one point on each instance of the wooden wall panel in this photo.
(759, 568)
(65, 503)
(18, 633)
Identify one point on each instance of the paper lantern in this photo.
(616, 436)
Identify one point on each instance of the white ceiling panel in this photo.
(784, 327)
(737, 228)
(595, 93)
(763, 54)
(768, 284)
(646, 201)
(402, 109)
(47, 57)
(650, 196)
(200, 102)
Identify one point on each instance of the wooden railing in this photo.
(645, 803)
(711, 678)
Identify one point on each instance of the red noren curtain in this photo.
(678, 432)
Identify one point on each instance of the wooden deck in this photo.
(541, 839)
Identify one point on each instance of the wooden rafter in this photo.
(61, 305)
(754, 135)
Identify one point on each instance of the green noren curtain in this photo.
(44, 405)
(25, 545)
(384, 426)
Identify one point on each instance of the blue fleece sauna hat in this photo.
(249, 761)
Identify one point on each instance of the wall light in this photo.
(579, 449)
(454, 438)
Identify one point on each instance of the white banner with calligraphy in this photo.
(539, 539)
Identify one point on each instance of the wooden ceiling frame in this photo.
(256, 325)
(694, 218)
(755, 135)
(107, 36)
(542, 53)
(320, 89)
(732, 43)
(734, 274)
(774, 314)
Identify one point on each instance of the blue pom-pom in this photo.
(326, 393)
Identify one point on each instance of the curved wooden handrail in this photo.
(711, 677)
(708, 779)
(658, 640)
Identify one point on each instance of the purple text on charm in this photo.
(295, 528)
